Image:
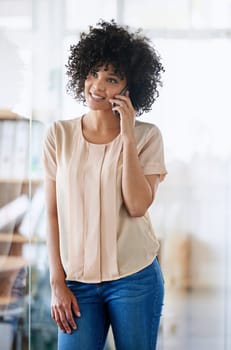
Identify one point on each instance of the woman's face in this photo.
(101, 85)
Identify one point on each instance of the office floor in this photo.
(196, 320)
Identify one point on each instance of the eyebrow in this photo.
(110, 73)
(114, 74)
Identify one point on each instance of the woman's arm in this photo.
(138, 190)
(62, 299)
(56, 269)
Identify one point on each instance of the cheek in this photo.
(115, 91)
(86, 86)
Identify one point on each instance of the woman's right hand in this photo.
(63, 306)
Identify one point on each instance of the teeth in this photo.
(97, 97)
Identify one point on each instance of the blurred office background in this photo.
(191, 214)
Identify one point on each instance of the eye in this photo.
(112, 80)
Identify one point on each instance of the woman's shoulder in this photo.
(64, 126)
(67, 123)
(143, 129)
(63, 129)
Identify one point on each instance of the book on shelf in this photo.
(20, 154)
(21, 148)
(7, 145)
(37, 133)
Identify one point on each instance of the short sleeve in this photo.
(49, 152)
(151, 154)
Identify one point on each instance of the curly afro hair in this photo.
(131, 55)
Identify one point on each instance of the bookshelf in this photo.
(20, 239)
(12, 263)
(22, 229)
(20, 157)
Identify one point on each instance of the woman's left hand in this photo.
(127, 114)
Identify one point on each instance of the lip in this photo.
(96, 97)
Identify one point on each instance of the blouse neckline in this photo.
(91, 143)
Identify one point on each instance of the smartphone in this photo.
(123, 92)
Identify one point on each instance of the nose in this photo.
(99, 85)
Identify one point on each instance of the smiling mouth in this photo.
(96, 98)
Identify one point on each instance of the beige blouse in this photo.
(99, 240)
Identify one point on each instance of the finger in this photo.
(63, 325)
(124, 102)
(63, 322)
(55, 317)
(127, 100)
(70, 319)
(118, 110)
(125, 97)
(54, 314)
(119, 100)
(124, 112)
(75, 307)
(126, 94)
(119, 103)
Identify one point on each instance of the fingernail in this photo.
(78, 314)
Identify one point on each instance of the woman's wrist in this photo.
(129, 140)
(55, 281)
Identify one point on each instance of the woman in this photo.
(102, 171)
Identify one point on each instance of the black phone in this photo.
(123, 92)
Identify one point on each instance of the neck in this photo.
(101, 121)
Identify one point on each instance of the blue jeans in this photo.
(131, 305)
